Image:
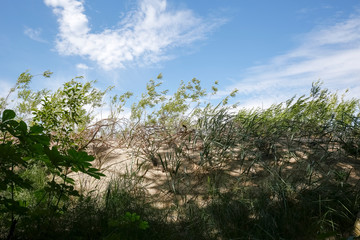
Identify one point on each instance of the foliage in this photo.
(118, 102)
(288, 153)
(127, 225)
(20, 149)
(64, 112)
(166, 109)
(286, 172)
(29, 99)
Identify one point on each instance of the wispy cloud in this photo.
(143, 35)
(34, 34)
(82, 66)
(331, 54)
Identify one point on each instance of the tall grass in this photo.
(287, 172)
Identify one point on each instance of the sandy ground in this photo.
(133, 169)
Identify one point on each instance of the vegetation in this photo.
(194, 170)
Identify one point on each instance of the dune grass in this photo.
(287, 172)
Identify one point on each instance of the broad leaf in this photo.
(8, 114)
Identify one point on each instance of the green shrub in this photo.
(23, 149)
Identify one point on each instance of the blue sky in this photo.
(268, 50)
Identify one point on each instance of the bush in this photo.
(23, 149)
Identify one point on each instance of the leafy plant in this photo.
(29, 99)
(126, 226)
(64, 113)
(21, 148)
(166, 109)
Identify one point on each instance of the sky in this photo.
(268, 50)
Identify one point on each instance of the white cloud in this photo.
(143, 36)
(34, 34)
(82, 66)
(331, 54)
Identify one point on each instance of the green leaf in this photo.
(41, 139)
(70, 180)
(37, 148)
(8, 114)
(22, 127)
(36, 129)
(144, 225)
